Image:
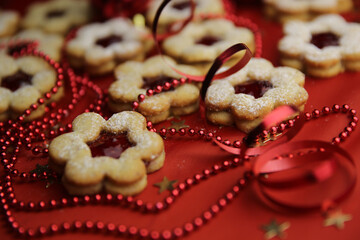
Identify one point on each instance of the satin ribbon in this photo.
(306, 174)
(296, 165)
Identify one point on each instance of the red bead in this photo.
(166, 234)
(100, 226)
(345, 108)
(175, 82)
(42, 230)
(122, 229)
(110, 227)
(133, 230)
(215, 208)
(159, 206)
(143, 233)
(66, 226)
(336, 108)
(178, 232)
(188, 227)
(207, 215)
(141, 97)
(222, 202)
(149, 92)
(154, 235)
(198, 222)
(54, 228)
(326, 110)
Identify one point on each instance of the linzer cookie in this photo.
(9, 21)
(135, 78)
(285, 10)
(114, 155)
(178, 10)
(57, 16)
(22, 82)
(101, 46)
(245, 97)
(199, 43)
(323, 47)
(48, 43)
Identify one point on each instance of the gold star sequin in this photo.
(178, 125)
(165, 184)
(336, 218)
(274, 229)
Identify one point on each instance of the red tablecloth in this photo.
(243, 217)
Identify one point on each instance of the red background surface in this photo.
(244, 216)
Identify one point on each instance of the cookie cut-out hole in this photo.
(107, 41)
(182, 5)
(111, 145)
(325, 39)
(254, 88)
(55, 13)
(16, 81)
(152, 82)
(208, 40)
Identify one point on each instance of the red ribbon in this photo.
(283, 169)
(314, 175)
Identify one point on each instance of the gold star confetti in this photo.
(336, 218)
(165, 184)
(178, 125)
(274, 229)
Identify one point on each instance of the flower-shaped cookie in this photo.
(101, 46)
(114, 155)
(285, 10)
(246, 96)
(178, 10)
(134, 78)
(49, 44)
(9, 21)
(22, 82)
(199, 43)
(57, 16)
(323, 47)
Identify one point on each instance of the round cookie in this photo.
(199, 43)
(99, 47)
(134, 78)
(285, 10)
(114, 155)
(57, 16)
(9, 21)
(22, 82)
(245, 97)
(323, 47)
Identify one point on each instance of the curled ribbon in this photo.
(218, 62)
(296, 175)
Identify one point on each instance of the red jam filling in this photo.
(17, 48)
(107, 41)
(208, 40)
(109, 145)
(152, 82)
(16, 81)
(325, 39)
(254, 88)
(55, 14)
(182, 5)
